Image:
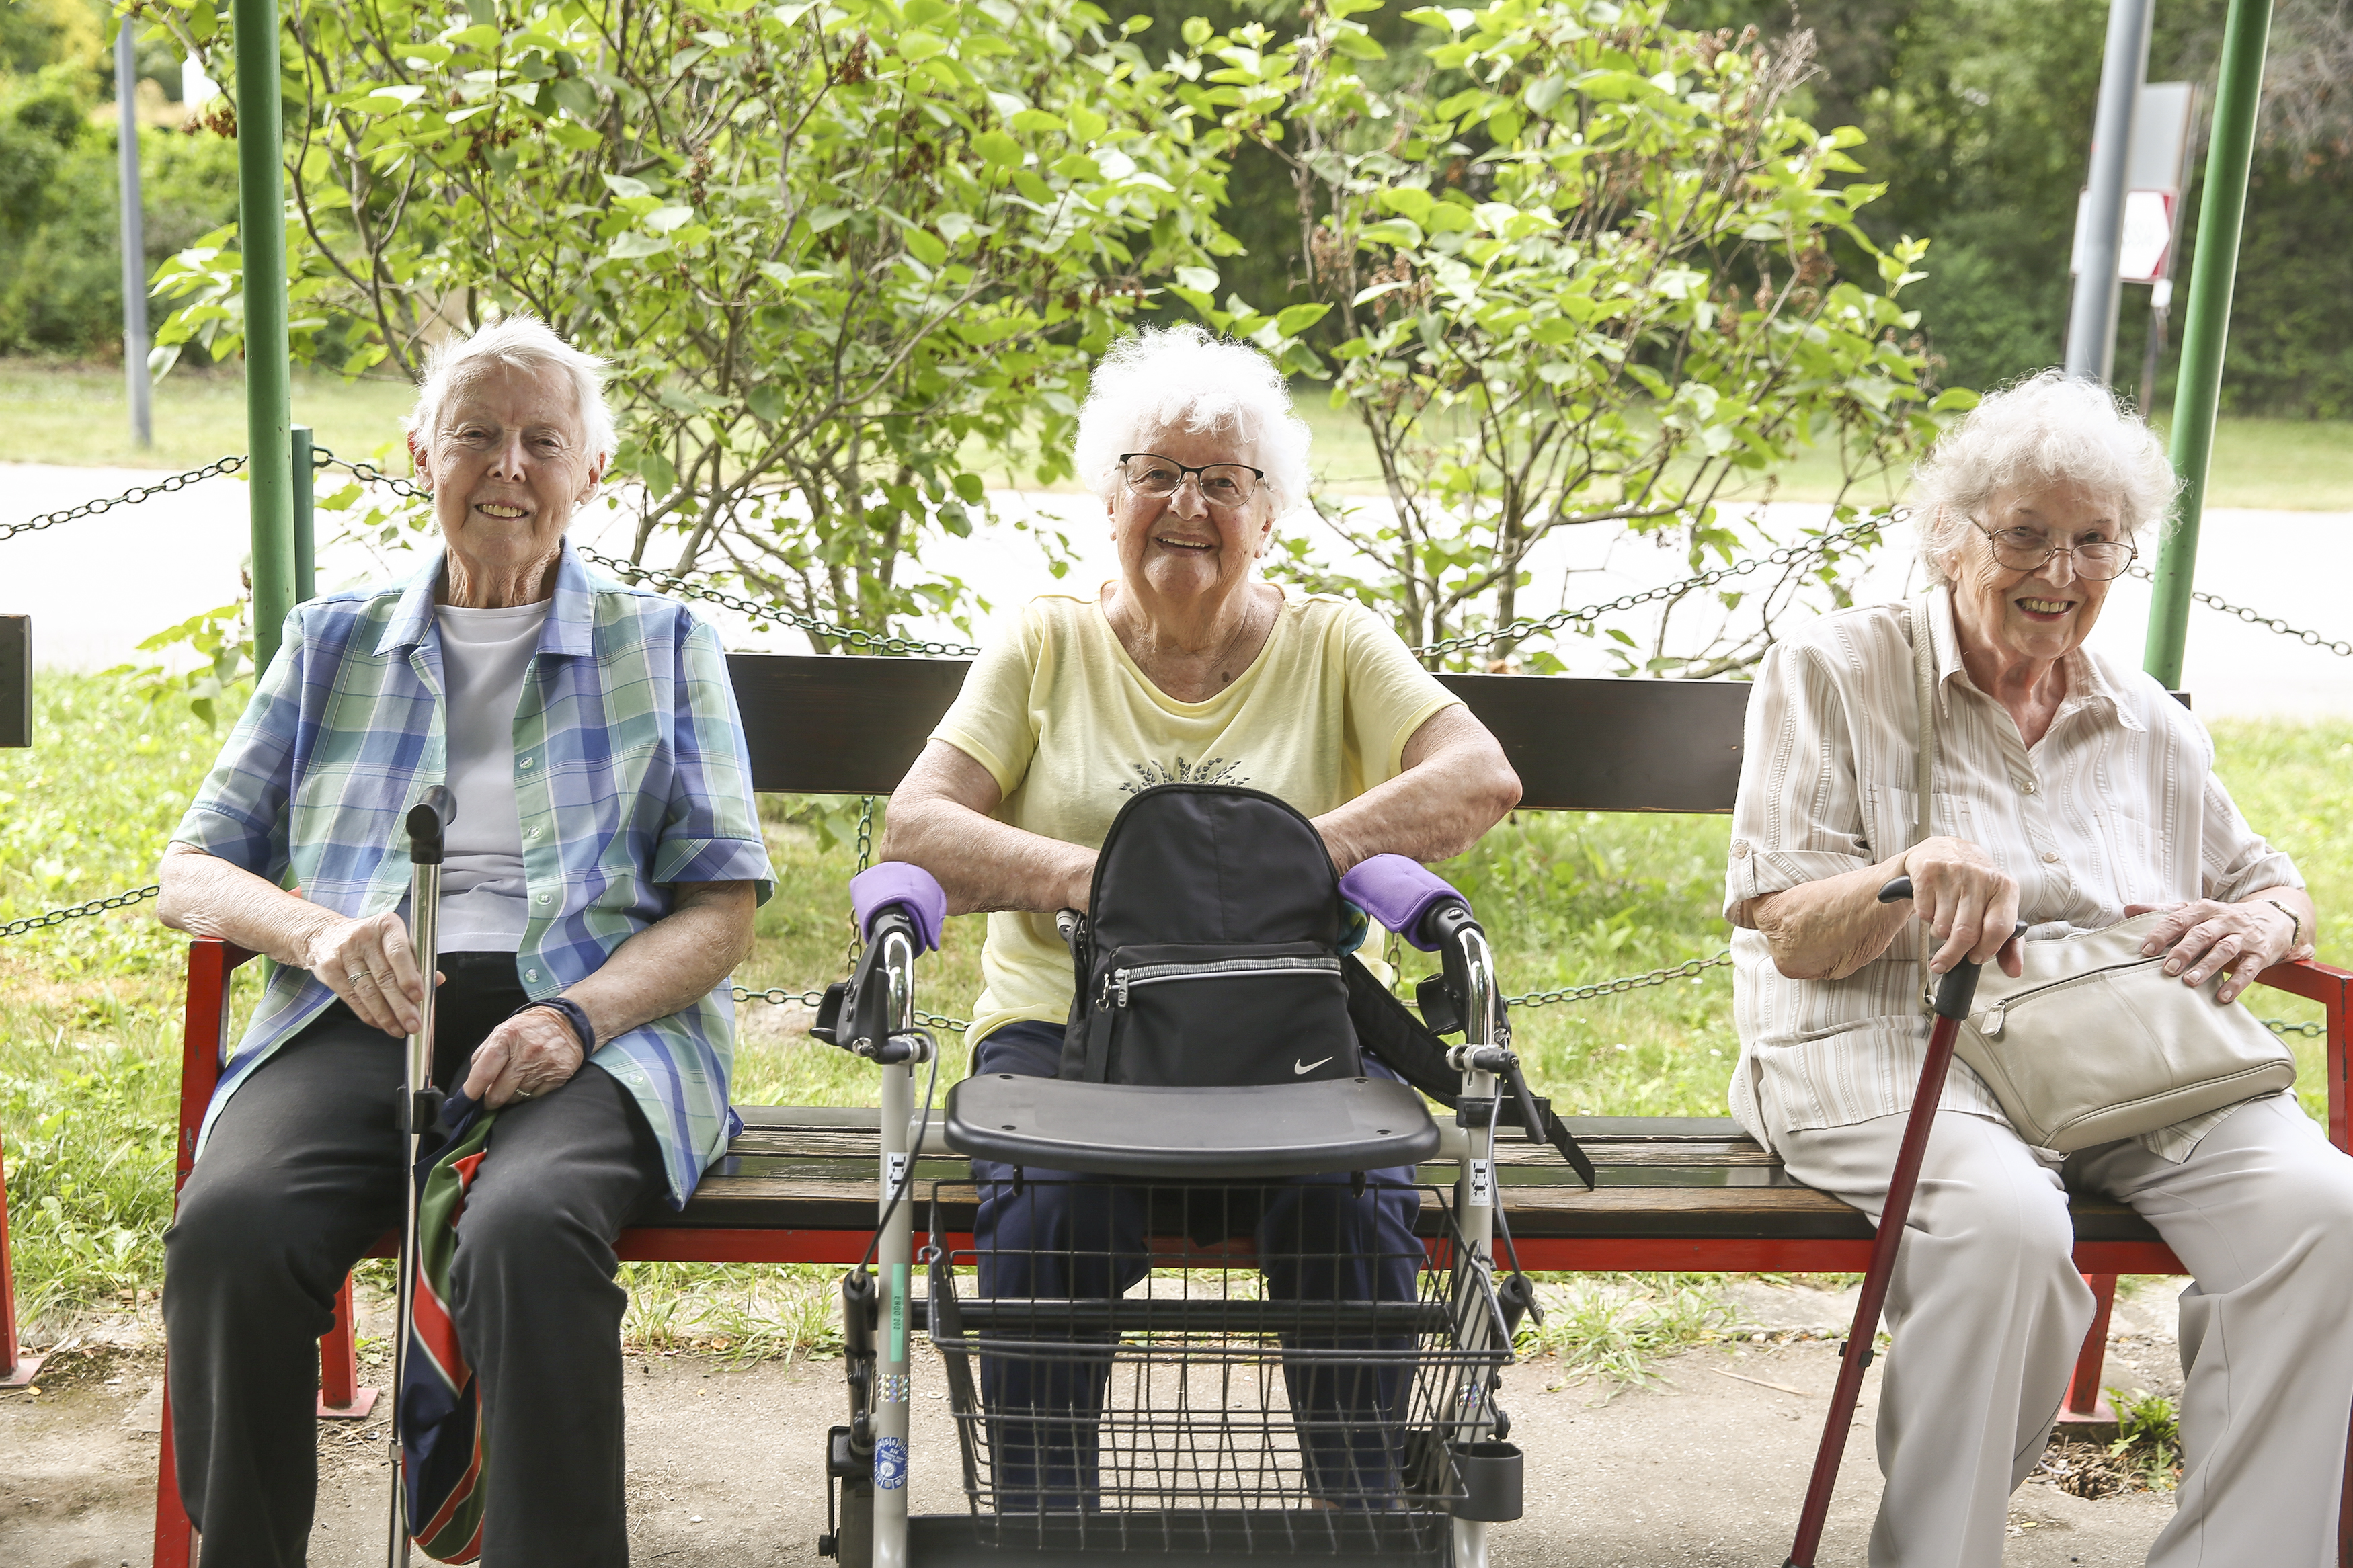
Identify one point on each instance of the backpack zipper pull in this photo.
(1113, 979)
(1119, 979)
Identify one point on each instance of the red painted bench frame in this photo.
(211, 963)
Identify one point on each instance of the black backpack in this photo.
(1210, 956)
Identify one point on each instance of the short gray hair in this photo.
(2042, 430)
(1180, 376)
(526, 342)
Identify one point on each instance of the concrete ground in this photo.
(1705, 1468)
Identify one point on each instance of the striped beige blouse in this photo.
(2116, 804)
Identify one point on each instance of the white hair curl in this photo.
(2045, 429)
(1182, 378)
(526, 342)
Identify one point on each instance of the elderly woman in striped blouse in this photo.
(2073, 792)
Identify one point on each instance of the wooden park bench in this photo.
(1675, 1193)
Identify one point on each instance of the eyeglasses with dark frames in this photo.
(1222, 484)
(2026, 549)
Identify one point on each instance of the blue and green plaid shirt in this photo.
(630, 775)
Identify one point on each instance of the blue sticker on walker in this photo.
(889, 1464)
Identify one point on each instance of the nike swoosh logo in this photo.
(1299, 1067)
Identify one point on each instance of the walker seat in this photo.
(1262, 1132)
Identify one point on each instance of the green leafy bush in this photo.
(60, 241)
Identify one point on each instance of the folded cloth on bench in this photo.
(896, 883)
(1399, 891)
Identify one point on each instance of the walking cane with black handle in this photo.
(1955, 992)
(418, 1110)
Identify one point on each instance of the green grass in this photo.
(76, 415)
(89, 1012)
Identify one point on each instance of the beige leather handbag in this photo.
(2094, 1042)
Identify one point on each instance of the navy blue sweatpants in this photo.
(1066, 1235)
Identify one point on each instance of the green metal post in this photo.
(269, 389)
(2246, 34)
(305, 543)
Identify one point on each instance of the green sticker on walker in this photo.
(898, 1312)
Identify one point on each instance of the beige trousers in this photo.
(1988, 1313)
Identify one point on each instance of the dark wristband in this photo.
(573, 1013)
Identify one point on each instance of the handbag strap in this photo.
(1920, 627)
(1924, 676)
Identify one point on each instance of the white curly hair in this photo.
(1182, 378)
(526, 342)
(2045, 429)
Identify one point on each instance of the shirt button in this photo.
(2027, 785)
(2050, 857)
(1740, 849)
(544, 897)
(528, 761)
(531, 974)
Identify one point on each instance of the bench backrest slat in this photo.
(853, 726)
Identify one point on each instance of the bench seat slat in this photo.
(814, 1167)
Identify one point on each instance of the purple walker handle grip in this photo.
(896, 883)
(1399, 891)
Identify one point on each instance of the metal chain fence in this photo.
(132, 497)
(96, 907)
(2341, 649)
(777, 995)
(769, 610)
(1691, 969)
(1787, 555)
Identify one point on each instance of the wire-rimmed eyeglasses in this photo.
(2026, 549)
(1222, 484)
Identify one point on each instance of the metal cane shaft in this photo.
(1892, 1219)
(1955, 992)
(426, 822)
(424, 911)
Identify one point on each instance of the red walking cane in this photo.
(1954, 993)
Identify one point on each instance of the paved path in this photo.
(98, 587)
(1705, 1469)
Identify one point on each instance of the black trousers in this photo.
(301, 1174)
(1067, 1236)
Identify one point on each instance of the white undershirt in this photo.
(484, 654)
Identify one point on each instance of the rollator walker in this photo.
(1193, 1417)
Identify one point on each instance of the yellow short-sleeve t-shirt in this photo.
(1070, 728)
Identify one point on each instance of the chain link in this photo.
(2283, 1027)
(1867, 530)
(2341, 649)
(97, 907)
(132, 497)
(369, 474)
(1690, 970)
(865, 859)
(769, 610)
(776, 995)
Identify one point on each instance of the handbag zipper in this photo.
(1997, 1015)
(1117, 982)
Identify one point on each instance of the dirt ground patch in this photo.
(1703, 1469)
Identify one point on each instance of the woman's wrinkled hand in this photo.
(1969, 903)
(370, 964)
(527, 1056)
(2208, 938)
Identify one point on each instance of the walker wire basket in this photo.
(1284, 1368)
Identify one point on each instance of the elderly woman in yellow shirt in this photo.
(1186, 667)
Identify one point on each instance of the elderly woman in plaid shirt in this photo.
(603, 867)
